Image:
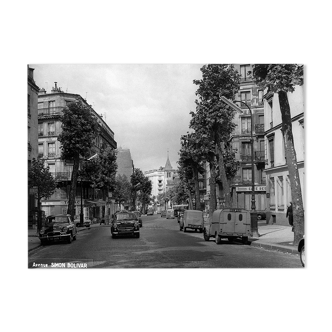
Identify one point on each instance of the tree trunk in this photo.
(298, 211)
(223, 176)
(190, 201)
(73, 185)
(197, 195)
(39, 218)
(212, 188)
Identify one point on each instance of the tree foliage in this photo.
(122, 190)
(141, 188)
(213, 123)
(79, 129)
(39, 177)
(282, 79)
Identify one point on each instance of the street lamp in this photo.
(254, 223)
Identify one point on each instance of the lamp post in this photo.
(253, 213)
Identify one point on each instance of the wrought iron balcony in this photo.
(245, 131)
(51, 133)
(41, 133)
(61, 176)
(245, 157)
(259, 128)
(50, 111)
(51, 154)
(260, 155)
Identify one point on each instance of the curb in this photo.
(275, 247)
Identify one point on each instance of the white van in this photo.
(230, 224)
(192, 219)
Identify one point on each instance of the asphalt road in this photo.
(161, 245)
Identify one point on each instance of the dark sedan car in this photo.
(58, 227)
(125, 223)
(138, 215)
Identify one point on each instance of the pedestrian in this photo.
(289, 214)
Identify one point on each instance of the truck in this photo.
(230, 224)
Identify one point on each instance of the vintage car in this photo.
(150, 212)
(170, 214)
(192, 219)
(125, 223)
(138, 215)
(58, 227)
(86, 221)
(301, 250)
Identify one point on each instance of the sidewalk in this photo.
(275, 237)
(34, 242)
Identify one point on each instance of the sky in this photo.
(146, 105)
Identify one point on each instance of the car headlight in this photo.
(42, 231)
(64, 229)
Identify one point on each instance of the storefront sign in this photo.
(257, 188)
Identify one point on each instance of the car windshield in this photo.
(59, 219)
(125, 216)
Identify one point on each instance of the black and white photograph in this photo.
(166, 166)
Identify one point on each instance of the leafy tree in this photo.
(144, 193)
(79, 129)
(40, 177)
(136, 179)
(282, 79)
(101, 170)
(191, 157)
(122, 190)
(213, 120)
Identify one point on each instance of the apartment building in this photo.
(125, 163)
(277, 176)
(241, 185)
(33, 90)
(50, 106)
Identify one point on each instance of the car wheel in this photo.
(113, 236)
(184, 229)
(43, 242)
(206, 236)
(259, 217)
(217, 239)
(74, 237)
(137, 235)
(302, 256)
(245, 239)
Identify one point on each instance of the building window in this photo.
(246, 175)
(245, 97)
(51, 149)
(168, 174)
(245, 72)
(51, 128)
(260, 97)
(272, 193)
(40, 105)
(271, 150)
(40, 129)
(246, 148)
(245, 125)
(40, 150)
(280, 182)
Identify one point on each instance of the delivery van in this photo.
(230, 224)
(192, 219)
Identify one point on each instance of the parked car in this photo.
(86, 221)
(192, 219)
(125, 223)
(301, 250)
(163, 213)
(58, 227)
(138, 215)
(170, 214)
(150, 212)
(261, 215)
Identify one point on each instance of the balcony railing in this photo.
(50, 111)
(259, 128)
(260, 155)
(61, 176)
(245, 131)
(41, 133)
(51, 155)
(245, 157)
(51, 133)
